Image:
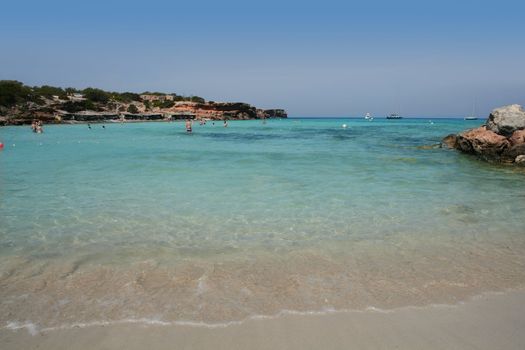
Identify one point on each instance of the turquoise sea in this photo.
(143, 222)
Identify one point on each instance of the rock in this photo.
(520, 160)
(517, 137)
(506, 120)
(513, 152)
(449, 141)
(482, 142)
(276, 113)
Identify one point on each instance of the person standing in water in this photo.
(188, 126)
(225, 123)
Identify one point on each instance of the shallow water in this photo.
(144, 221)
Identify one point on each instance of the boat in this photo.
(369, 117)
(394, 116)
(472, 116)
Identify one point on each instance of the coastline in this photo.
(487, 321)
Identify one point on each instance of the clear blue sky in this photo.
(325, 58)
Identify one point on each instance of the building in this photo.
(151, 97)
(76, 97)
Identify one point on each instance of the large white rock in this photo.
(505, 120)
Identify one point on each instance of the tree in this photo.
(125, 97)
(96, 95)
(197, 99)
(73, 107)
(13, 92)
(50, 91)
(71, 90)
(133, 109)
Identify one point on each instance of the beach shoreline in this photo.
(487, 321)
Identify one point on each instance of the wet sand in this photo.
(491, 321)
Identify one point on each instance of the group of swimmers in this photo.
(37, 126)
(189, 124)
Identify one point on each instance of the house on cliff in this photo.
(154, 97)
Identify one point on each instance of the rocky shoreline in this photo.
(501, 139)
(180, 111)
(21, 104)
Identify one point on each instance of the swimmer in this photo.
(89, 126)
(225, 123)
(103, 126)
(188, 126)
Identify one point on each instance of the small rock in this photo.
(520, 159)
(449, 141)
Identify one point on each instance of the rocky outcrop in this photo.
(215, 110)
(483, 143)
(502, 139)
(506, 120)
(275, 113)
(179, 110)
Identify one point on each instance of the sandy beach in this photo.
(491, 321)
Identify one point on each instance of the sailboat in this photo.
(473, 115)
(395, 115)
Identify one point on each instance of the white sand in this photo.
(495, 321)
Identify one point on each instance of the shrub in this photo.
(96, 95)
(133, 109)
(13, 92)
(73, 107)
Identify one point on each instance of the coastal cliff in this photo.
(20, 104)
(500, 139)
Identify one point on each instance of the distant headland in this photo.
(21, 104)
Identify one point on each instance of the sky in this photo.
(314, 59)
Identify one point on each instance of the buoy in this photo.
(1, 145)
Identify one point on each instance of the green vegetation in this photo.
(188, 98)
(96, 95)
(133, 109)
(163, 104)
(50, 91)
(13, 92)
(73, 107)
(197, 99)
(27, 99)
(125, 97)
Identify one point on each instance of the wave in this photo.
(33, 329)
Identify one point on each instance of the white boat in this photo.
(473, 115)
(368, 116)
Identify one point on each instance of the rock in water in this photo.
(506, 120)
(501, 139)
(482, 142)
(449, 141)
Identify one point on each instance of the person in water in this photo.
(36, 126)
(225, 123)
(188, 125)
